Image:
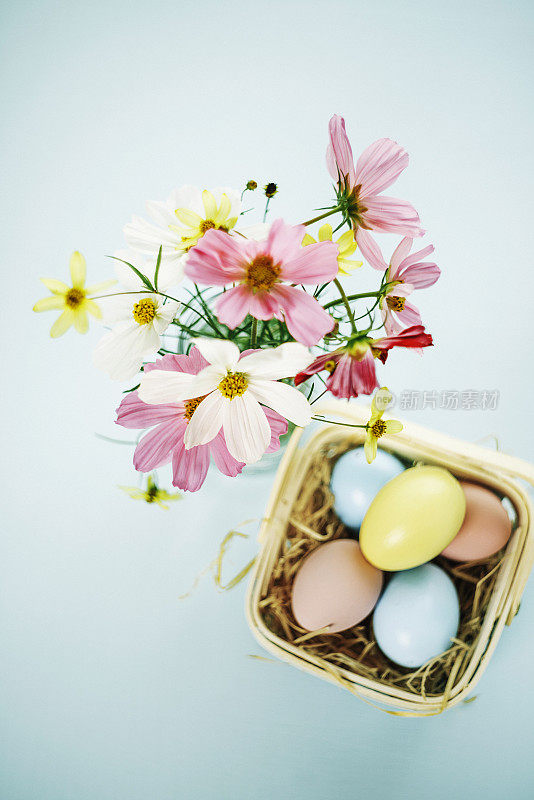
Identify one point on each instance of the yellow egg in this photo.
(412, 518)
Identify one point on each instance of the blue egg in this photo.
(355, 483)
(417, 615)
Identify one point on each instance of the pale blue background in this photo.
(112, 689)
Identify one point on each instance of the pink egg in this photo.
(335, 586)
(485, 529)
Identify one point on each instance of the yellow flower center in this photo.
(378, 428)
(74, 298)
(144, 311)
(395, 303)
(191, 406)
(234, 385)
(151, 494)
(330, 366)
(262, 273)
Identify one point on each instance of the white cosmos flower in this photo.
(138, 319)
(235, 388)
(180, 221)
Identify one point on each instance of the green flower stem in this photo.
(254, 332)
(139, 291)
(345, 301)
(322, 216)
(335, 422)
(344, 298)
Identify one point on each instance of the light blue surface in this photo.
(110, 687)
(355, 483)
(417, 615)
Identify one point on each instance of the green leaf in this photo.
(156, 273)
(137, 272)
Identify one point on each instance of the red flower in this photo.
(352, 368)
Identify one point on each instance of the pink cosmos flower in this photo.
(359, 188)
(352, 368)
(165, 442)
(406, 273)
(259, 269)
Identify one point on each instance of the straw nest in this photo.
(313, 521)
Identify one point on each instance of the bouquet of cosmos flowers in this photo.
(229, 331)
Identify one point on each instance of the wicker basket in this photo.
(466, 461)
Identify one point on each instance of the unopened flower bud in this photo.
(251, 185)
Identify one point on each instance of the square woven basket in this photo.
(466, 461)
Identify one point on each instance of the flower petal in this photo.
(219, 352)
(380, 401)
(317, 366)
(353, 377)
(370, 250)
(55, 286)
(421, 275)
(156, 447)
(399, 254)
(160, 386)
(188, 218)
(93, 308)
(62, 323)
(121, 351)
(346, 244)
(207, 420)
(392, 216)
(380, 165)
(306, 319)
(133, 413)
(282, 398)
(339, 158)
(246, 429)
(146, 239)
(190, 467)
(284, 241)
(370, 447)
(207, 380)
(81, 320)
(50, 303)
(325, 233)
(316, 263)
(278, 428)
(283, 361)
(419, 255)
(210, 205)
(97, 288)
(393, 426)
(224, 462)
(165, 314)
(233, 306)
(409, 315)
(78, 270)
(219, 259)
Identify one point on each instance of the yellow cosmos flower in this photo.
(346, 247)
(215, 216)
(74, 300)
(152, 493)
(377, 427)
